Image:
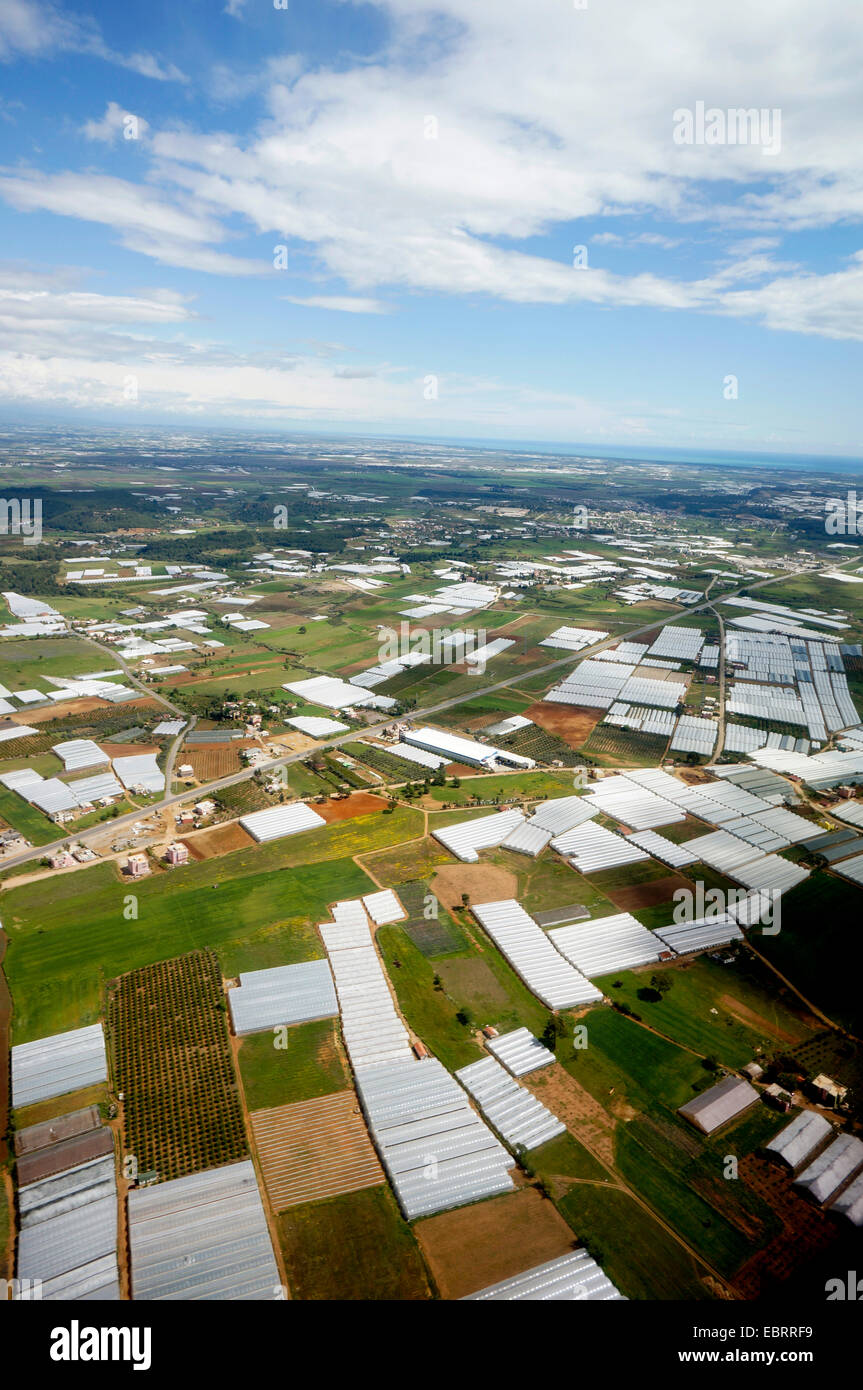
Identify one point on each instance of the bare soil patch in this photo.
(806, 1230)
(314, 1148)
(572, 725)
(661, 890)
(358, 804)
(67, 708)
(211, 760)
(484, 883)
(583, 1116)
(468, 1249)
(219, 839)
(129, 750)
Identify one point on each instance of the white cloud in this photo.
(115, 123)
(147, 221)
(32, 29)
(343, 303)
(541, 116)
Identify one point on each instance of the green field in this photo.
(723, 1221)
(311, 1065)
(38, 829)
(430, 1012)
(714, 1009)
(507, 787)
(561, 1159)
(640, 1257)
(60, 951)
(354, 1247)
(633, 1065)
(813, 940)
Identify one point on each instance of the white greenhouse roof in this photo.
(520, 1052)
(677, 856)
(797, 1141)
(63, 1062)
(703, 934)
(417, 1112)
(140, 770)
(826, 1174)
(618, 942)
(204, 1236)
(572, 1278)
(281, 995)
(277, 821)
(533, 957)
(79, 753)
(591, 847)
(317, 727)
(68, 1235)
(467, 837)
(720, 1104)
(384, 907)
(518, 1117)
(563, 814)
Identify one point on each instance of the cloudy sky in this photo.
(474, 217)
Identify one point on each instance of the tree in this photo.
(464, 1017)
(661, 983)
(465, 898)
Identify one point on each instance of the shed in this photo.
(720, 1104)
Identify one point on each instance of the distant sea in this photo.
(810, 463)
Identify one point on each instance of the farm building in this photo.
(464, 750)
(797, 1142)
(720, 1105)
(832, 1168)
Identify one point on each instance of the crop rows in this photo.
(172, 1062)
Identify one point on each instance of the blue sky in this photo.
(429, 170)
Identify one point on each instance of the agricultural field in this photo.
(352, 1247)
(172, 1061)
(312, 1064)
(153, 957)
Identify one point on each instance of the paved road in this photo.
(177, 798)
